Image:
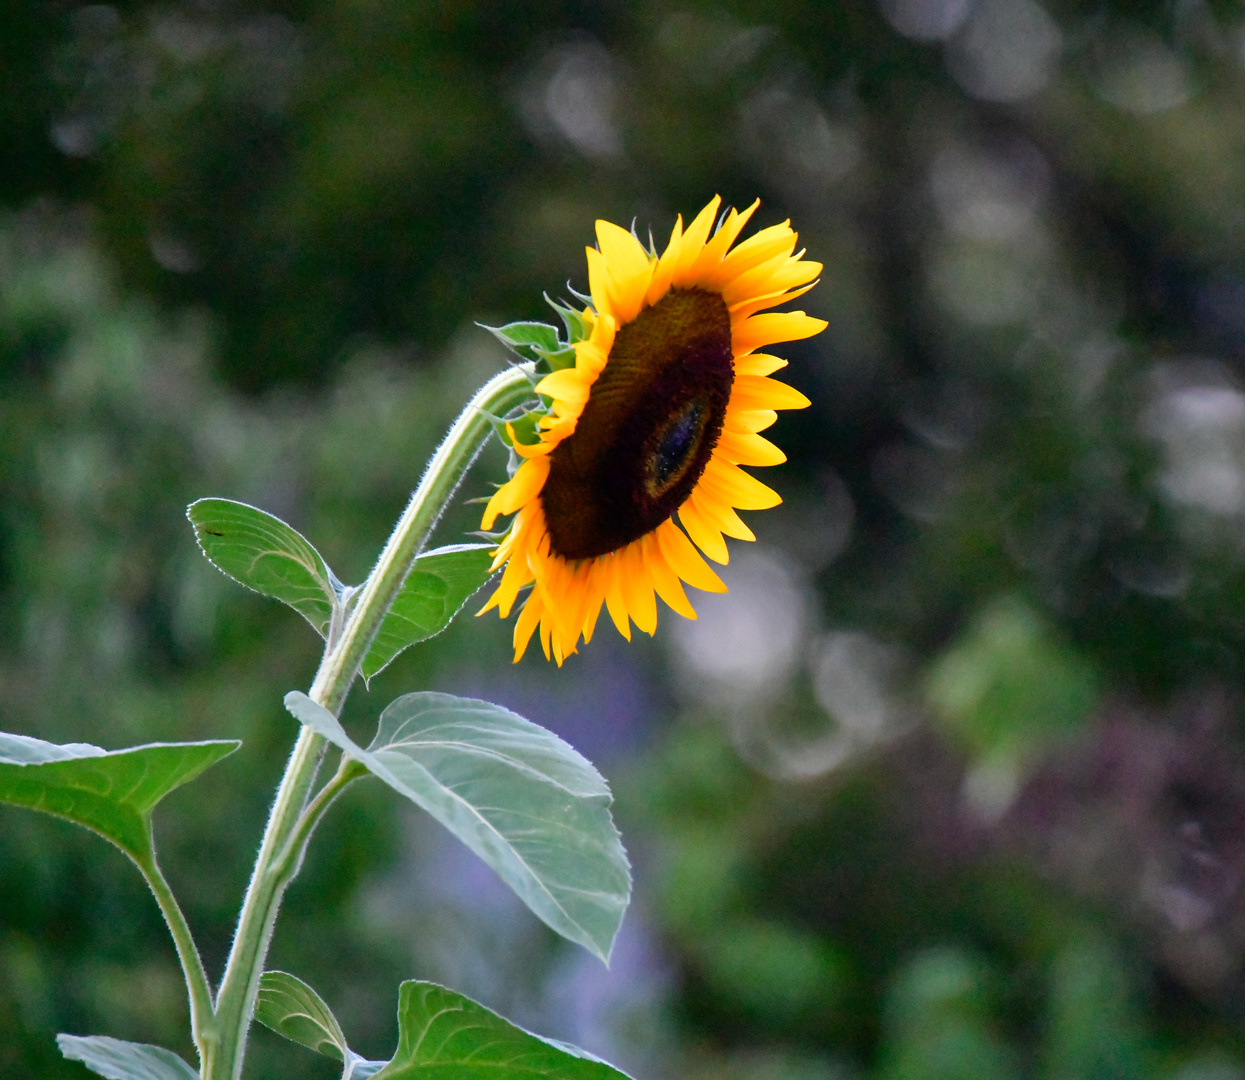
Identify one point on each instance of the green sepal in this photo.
(563, 358)
(531, 340)
(444, 1034)
(525, 430)
(581, 297)
(112, 792)
(572, 319)
(540, 343)
(521, 798)
(263, 553)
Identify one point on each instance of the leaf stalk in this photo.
(199, 990)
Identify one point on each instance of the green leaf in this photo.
(110, 792)
(119, 1060)
(443, 1035)
(263, 553)
(522, 799)
(291, 1008)
(439, 584)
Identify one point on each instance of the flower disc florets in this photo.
(648, 428)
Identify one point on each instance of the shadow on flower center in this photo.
(648, 429)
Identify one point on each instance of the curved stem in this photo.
(441, 479)
(202, 1025)
(293, 818)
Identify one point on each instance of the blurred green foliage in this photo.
(950, 784)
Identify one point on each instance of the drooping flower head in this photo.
(661, 407)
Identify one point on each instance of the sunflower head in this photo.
(647, 415)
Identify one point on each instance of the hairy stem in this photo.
(293, 818)
(202, 1021)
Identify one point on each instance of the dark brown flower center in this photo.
(647, 430)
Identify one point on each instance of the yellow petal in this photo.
(599, 282)
(745, 448)
(754, 392)
(761, 330)
(629, 269)
(720, 514)
(744, 308)
(760, 247)
(615, 600)
(748, 420)
(567, 384)
(638, 589)
(592, 354)
(775, 276)
(518, 491)
(539, 449)
(694, 242)
(665, 580)
(685, 560)
(709, 259)
(513, 578)
(659, 284)
(597, 581)
(546, 634)
(554, 582)
(503, 550)
(731, 484)
(623, 252)
(524, 625)
(759, 363)
(702, 532)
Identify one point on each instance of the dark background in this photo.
(950, 785)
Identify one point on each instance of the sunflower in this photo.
(663, 404)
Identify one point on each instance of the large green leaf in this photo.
(119, 1060)
(445, 1036)
(522, 799)
(263, 553)
(111, 792)
(291, 1008)
(434, 592)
